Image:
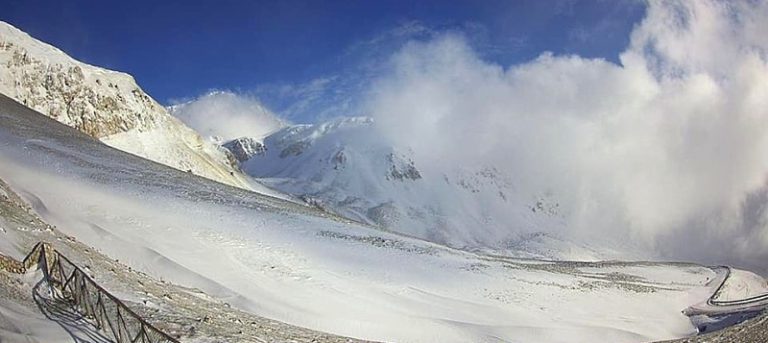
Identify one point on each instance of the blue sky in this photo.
(300, 56)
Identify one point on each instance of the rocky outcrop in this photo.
(93, 103)
(244, 148)
(295, 149)
(402, 168)
(106, 105)
(11, 265)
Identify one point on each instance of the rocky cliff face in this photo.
(106, 105)
(92, 103)
(244, 148)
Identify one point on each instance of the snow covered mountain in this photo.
(342, 166)
(106, 105)
(301, 266)
(244, 148)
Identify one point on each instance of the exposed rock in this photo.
(65, 92)
(105, 105)
(294, 149)
(339, 160)
(244, 148)
(386, 214)
(402, 169)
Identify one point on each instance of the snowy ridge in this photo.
(244, 148)
(106, 105)
(342, 166)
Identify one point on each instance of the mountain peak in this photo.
(106, 105)
(96, 101)
(244, 148)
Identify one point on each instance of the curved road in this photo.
(745, 301)
(723, 307)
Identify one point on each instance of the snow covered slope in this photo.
(742, 284)
(305, 267)
(344, 167)
(106, 105)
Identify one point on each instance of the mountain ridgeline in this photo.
(344, 166)
(106, 105)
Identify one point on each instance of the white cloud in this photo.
(669, 148)
(227, 115)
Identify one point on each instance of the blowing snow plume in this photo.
(227, 115)
(668, 148)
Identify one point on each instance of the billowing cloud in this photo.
(227, 115)
(668, 148)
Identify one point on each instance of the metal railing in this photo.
(111, 316)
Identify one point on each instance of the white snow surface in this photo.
(345, 166)
(742, 284)
(302, 266)
(107, 105)
(22, 324)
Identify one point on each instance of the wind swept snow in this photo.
(309, 268)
